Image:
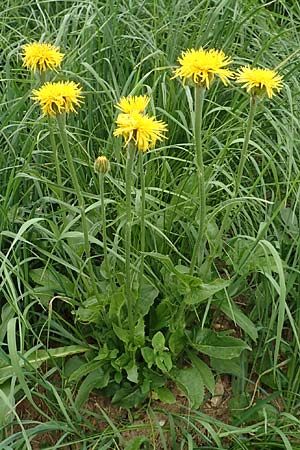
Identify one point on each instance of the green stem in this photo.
(253, 104)
(226, 221)
(198, 251)
(142, 222)
(56, 160)
(103, 213)
(129, 167)
(65, 143)
(42, 77)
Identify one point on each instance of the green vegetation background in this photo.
(113, 48)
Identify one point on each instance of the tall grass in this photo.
(116, 48)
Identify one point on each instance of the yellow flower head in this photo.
(201, 66)
(143, 130)
(41, 56)
(258, 81)
(136, 103)
(56, 98)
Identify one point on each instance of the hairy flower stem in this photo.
(66, 147)
(128, 290)
(42, 77)
(142, 222)
(198, 251)
(253, 104)
(103, 214)
(56, 160)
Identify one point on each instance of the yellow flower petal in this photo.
(260, 80)
(201, 66)
(41, 56)
(56, 98)
(137, 103)
(143, 130)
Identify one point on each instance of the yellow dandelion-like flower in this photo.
(41, 56)
(135, 103)
(143, 130)
(258, 81)
(56, 98)
(202, 65)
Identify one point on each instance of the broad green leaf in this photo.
(165, 395)
(122, 334)
(72, 364)
(135, 443)
(52, 280)
(148, 294)
(231, 366)
(60, 352)
(96, 379)
(148, 355)
(132, 372)
(158, 342)
(198, 294)
(212, 230)
(89, 312)
(85, 369)
(129, 397)
(204, 371)
(191, 383)
(116, 302)
(218, 345)
(164, 361)
(162, 315)
(139, 333)
(192, 288)
(43, 294)
(177, 342)
(36, 358)
(235, 314)
(122, 362)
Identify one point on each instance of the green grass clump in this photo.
(102, 292)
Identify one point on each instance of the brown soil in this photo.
(139, 423)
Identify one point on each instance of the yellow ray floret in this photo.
(41, 56)
(258, 80)
(201, 66)
(135, 103)
(143, 130)
(56, 98)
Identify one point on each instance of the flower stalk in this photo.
(56, 160)
(198, 251)
(102, 167)
(128, 227)
(225, 222)
(103, 214)
(252, 110)
(142, 212)
(65, 143)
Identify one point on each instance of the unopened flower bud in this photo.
(101, 165)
